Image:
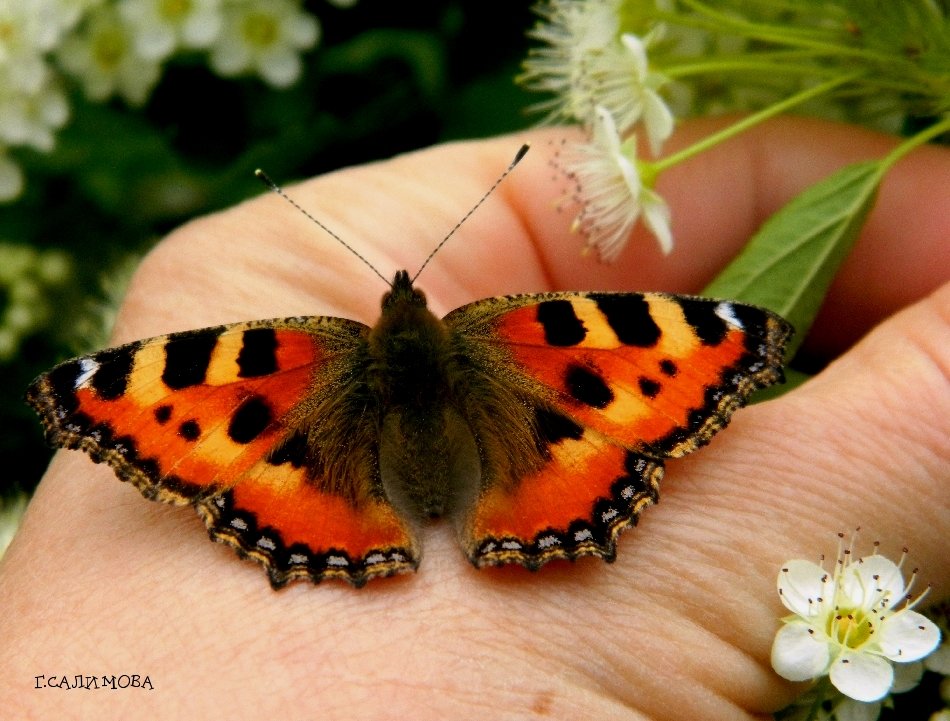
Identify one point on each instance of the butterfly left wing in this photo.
(245, 422)
(611, 384)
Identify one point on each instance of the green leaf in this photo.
(790, 262)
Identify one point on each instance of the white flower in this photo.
(161, 26)
(31, 118)
(11, 178)
(103, 60)
(637, 98)
(23, 287)
(27, 32)
(939, 660)
(68, 13)
(847, 624)
(587, 62)
(265, 36)
(574, 34)
(612, 194)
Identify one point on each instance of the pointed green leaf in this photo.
(789, 263)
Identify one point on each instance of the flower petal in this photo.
(605, 131)
(908, 636)
(230, 57)
(800, 586)
(201, 29)
(657, 119)
(11, 179)
(851, 710)
(862, 676)
(872, 582)
(302, 30)
(280, 68)
(155, 43)
(797, 654)
(638, 53)
(656, 216)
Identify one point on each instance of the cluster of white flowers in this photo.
(26, 276)
(118, 47)
(638, 60)
(600, 77)
(852, 624)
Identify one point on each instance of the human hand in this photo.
(99, 582)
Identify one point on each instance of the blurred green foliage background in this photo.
(384, 78)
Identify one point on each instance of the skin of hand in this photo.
(100, 582)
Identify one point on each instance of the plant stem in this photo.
(922, 137)
(741, 64)
(789, 36)
(660, 165)
(816, 706)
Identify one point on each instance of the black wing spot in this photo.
(190, 430)
(668, 368)
(249, 420)
(586, 386)
(62, 384)
(701, 315)
(292, 451)
(258, 356)
(649, 387)
(163, 413)
(628, 315)
(112, 376)
(553, 427)
(187, 356)
(561, 325)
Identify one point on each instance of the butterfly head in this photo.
(402, 292)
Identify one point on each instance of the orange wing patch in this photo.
(183, 415)
(657, 373)
(577, 504)
(279, 517)
(201, 418)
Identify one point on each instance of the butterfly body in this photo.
(426, 446)
(319, 446)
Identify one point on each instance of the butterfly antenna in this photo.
(264, 178)
(522, 151)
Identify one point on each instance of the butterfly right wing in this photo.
(252, 423)
(580, 398)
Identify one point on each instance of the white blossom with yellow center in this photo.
(103, 59)
(849, 624)
(266, 37)
(162, 26)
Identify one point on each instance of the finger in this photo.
(265, 259)
(720, 198)
(865, 443)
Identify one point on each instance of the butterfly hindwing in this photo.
(617, 383)
(577, 502)
(229, 419)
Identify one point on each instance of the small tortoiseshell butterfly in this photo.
(315, 445)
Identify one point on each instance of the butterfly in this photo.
(319, 446)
